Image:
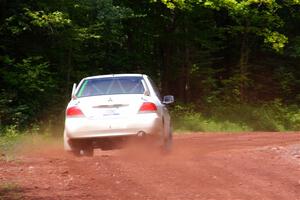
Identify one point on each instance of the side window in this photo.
(155, 88)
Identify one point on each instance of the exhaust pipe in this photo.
(141, 134)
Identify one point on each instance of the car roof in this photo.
(114, 75)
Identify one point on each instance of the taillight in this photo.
(148, 107)
(74, 112)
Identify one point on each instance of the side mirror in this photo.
(73, 91)
(168, 99)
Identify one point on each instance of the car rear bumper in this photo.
(149, 123)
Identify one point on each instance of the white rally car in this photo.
(106, 108)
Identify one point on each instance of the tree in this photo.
(249, 22)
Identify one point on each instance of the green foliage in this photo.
(186, 119)
(13, 140)
(238, 117)
(231, 58)
(9, 137)
(173, 4)
(41, 19)
(275, 39)
(10, 190)
(267, 117)
(107, 11)
(25, 79)
(28, 19)
(248, 16)
(31, 75)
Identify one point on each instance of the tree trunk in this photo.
(166, 64)
(69, 70)
(186, 74)
(243, 65)
(186, 65)
(166, 51)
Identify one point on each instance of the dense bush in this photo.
(272, 116)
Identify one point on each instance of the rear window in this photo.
(111, 86)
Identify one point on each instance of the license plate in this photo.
(111, 112)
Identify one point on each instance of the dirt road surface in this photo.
(262, 166)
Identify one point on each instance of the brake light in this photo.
(74, 112)
(148, 107)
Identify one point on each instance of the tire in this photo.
(75, 152)
(67, 144)
(78, 147)
(168, 142)
(82, 148)
(74, 148)
(88, 151)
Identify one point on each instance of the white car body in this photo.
(115, 115)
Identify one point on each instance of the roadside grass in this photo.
(14, 142)
(10, 191)
(195, 122)
(9, 139)
(272, 116)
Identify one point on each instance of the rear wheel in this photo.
(75, 151)
(81, 147)
(168, 142)
(88, 151)
(75, 147)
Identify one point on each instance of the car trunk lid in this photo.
(111, 106)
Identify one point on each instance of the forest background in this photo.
(232, 65)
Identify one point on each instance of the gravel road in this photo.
(262, 166)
